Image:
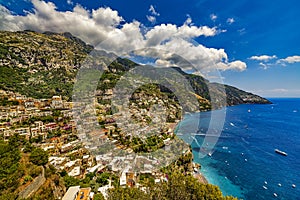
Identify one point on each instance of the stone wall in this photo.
(34, 186)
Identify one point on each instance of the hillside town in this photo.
(53, 149)
(49, 124)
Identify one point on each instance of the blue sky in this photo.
(262, 34)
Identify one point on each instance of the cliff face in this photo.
(43, 65)
(39, 65)
(234, 96)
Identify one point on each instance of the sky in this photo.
(254, 45)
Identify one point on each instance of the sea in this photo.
(243, 161)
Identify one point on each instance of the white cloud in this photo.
(91, 26)
(242, 31)
(106, 17)
(263, 57)
(162, 32)
(266, 61)
(264, 65)
(290, 59)
(235, 65)
(97, 25)
(70, 2)
(279, 90)
(230, 20)
(213, 17)
(151, 19)
(7, 21)
(153, 11)
(188, 20)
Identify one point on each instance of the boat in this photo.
(294, 186)
(275, 195)
(281, 152)
(265, 187)
(279, 184)
(209, 154)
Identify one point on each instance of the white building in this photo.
(72, 193)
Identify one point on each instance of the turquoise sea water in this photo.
(243, 160)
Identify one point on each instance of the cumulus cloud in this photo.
(266, 61)
(290, 59)
(237, 65)
(163, 32)
(104, 26)
(230, 20)
(7, 21)
(91, 26)
(263, 57)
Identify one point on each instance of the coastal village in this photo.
(38, 72)
(49, 124)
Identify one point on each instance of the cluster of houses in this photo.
(68, 153)
(13, 117)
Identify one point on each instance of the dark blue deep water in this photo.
(244, 160)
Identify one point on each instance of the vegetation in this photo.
(5, 102)
(16, 171)
(38, 157)
(178, 187)
(91, 180)
(182, 164)
(9, 166)
(43, 65)
(99, 197)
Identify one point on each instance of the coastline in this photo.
(201, 178)
(198, 175)
(247, 182)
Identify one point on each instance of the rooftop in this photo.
(71, 193)
(84, 194)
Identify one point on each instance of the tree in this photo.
(71, 181)
(9, 166)
(17, 141)
(99, 197)
(102, 179)
(39, 157)
(127, 194)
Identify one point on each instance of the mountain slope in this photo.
(43, 65)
